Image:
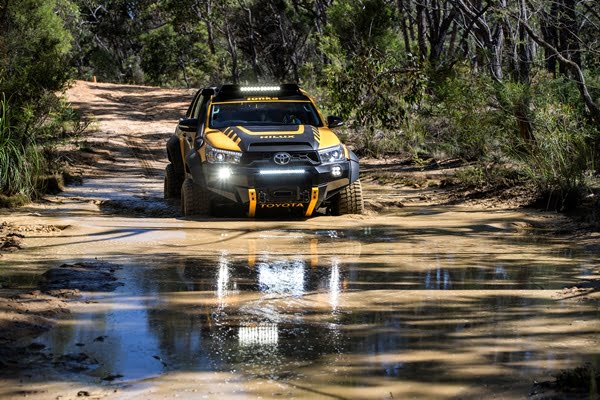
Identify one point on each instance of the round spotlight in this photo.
(336, 171)
(224, 173)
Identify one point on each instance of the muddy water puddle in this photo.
(444, 304)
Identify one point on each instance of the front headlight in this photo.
(218, 156)
(332, 154)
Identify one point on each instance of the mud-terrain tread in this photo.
(195, 200)
(349, 200)
(172, 186)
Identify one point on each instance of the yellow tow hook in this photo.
(314, 197)
(252, 208)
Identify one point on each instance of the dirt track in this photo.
(411, 300)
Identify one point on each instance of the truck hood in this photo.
(271, 138)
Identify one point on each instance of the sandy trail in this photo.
(421, 301)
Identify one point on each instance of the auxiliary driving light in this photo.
(260, 89)
(336, 171)
(280, 171)
(224, 174)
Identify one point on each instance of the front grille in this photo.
(298, 157)
(282, 195)
(274, 189)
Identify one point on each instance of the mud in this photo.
(134, 207)
(25, 316)
(11, 242)
(89, 277)
(572, 384)
(12, 235)
(420, 301)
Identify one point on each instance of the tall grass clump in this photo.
(20, 164)
(459, 118)
(562, 155)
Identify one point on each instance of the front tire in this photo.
(349, 200)
(195, 199)
(172, 186)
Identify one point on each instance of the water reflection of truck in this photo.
(251, 308)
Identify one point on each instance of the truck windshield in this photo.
(263, 113)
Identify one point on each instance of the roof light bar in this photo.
(280, 171)
(260, 88)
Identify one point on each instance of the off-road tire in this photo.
(172, 187)
(195, 200)
(174, 156)
(349, 200)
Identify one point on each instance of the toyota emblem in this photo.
(282, 158)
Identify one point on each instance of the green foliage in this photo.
(560, 152)
(15, 201)
(458, 121)
(20, 164)
(417, 77)
(272, 36)
(159, 54)
(34, 56)
(33, 68)
(362, 25)
(376, 91)
(563, 152)
(548, 90)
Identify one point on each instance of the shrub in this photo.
(377, 91)
(20, 164)
(35, 48)
(460, 121)
(562, 154)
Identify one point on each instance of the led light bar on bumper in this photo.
(332, 154)
(281, 171)
(218, 156)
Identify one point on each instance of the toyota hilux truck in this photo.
(260, 148)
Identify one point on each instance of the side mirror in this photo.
(188, 125)
(334, 122)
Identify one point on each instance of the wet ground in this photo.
(413, 302)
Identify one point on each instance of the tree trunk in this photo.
(452, 44)
(497, 46)
(592, 107)
(572, 30)
(438, 33)
(524, 58)
(549, 34)
(181, 62)
(404, 26)
(421, 27)
(235, 75)
(252, 38)
(209, 27)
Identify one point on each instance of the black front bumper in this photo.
(263, 184)
(275, 185)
